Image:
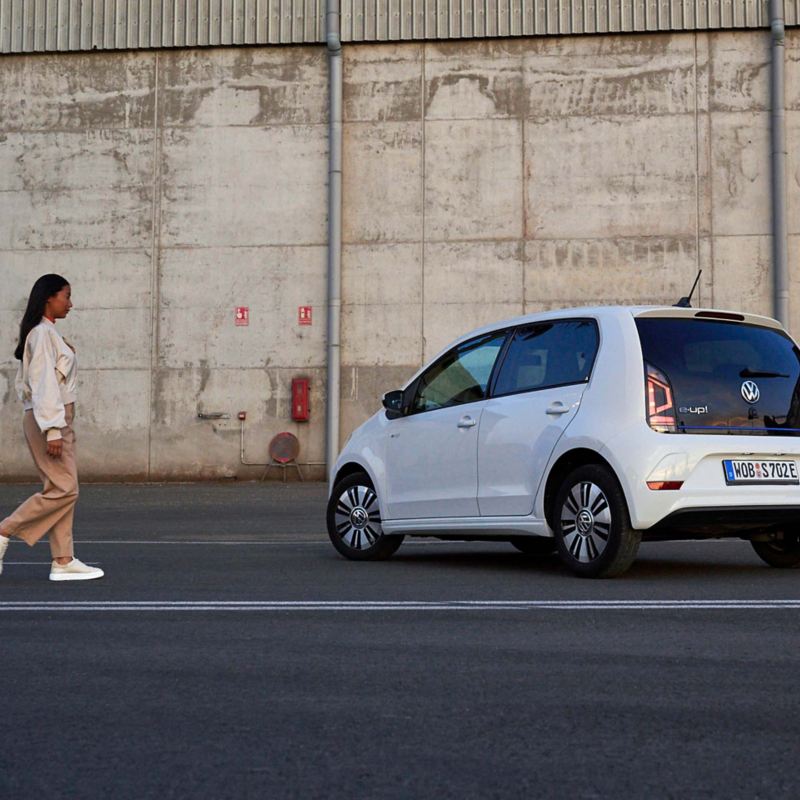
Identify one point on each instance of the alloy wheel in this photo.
(585, 522)
(358, 517)
(781, 550)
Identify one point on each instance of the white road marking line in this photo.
(409, 542)
(193, 542)
(224, 543)
(379, 605)
(42, 563)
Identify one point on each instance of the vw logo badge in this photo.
(750, 392)
(359, 518)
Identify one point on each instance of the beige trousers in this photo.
(51, 510)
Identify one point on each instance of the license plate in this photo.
(739, 471)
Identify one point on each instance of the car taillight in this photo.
(660, 405)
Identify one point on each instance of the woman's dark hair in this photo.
(43, 290)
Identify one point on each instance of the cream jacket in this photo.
(47, 378)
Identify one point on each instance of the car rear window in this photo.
(726, 377)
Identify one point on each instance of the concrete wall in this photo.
(482, 180)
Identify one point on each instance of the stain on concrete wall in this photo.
(482, 180)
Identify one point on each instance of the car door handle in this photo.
(467, 422)
(557, 408)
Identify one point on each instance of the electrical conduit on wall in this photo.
(780, 270)
(332, 37)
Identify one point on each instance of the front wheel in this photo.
(782, 550)
(354, 521)
(592, 526)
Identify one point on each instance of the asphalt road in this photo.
(231, 653)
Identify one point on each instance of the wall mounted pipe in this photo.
(780, 269)
(332, 37)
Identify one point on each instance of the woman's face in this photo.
(59, 305)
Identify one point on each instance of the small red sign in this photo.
(242, 316)
(304, 315)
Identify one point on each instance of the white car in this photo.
(587, 431)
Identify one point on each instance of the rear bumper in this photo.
(717, 523)
(638, 456)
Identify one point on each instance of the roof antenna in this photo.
(686, 302)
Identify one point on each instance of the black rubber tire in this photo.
(384, 546)
(622, 542)
(782, 552)
(538, 546)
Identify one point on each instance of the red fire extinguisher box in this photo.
(301, 410)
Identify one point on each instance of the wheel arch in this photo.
(351, 468)
(566, 463)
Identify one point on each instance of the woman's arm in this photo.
(48, 410)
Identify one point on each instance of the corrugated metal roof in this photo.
(45, 25)
(387, 20)
(28, 26)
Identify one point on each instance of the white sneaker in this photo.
(74, 571)
(3, 547)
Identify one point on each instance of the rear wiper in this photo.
(751, 373)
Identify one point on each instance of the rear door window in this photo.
(548, 354)
(726, 377)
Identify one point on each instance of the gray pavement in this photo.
(196, 669)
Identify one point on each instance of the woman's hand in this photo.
(54, 448)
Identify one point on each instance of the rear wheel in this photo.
(782, 550)
(540, 546)
(354, 521)
(592, 526)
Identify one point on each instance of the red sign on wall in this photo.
(304, 315)
(242, 316)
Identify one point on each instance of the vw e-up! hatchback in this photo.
(585, 431)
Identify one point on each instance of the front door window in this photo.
(461, 376)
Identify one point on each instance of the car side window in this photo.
(548, 354)
(461, 376)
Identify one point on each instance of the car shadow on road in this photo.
(701, 568)
(511, 561)
(644, 568)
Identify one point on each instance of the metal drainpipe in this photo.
(332, 37)
(780, 270)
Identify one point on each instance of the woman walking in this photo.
(46, 384)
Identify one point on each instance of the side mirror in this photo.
(393, 403)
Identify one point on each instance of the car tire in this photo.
(783, 551)
(538, 546)
(354, 521)
(592, 525)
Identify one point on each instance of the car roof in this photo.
(600, 312)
